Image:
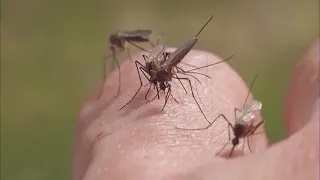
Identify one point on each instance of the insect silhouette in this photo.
(160, 68)
(118, 43)
(244, 122)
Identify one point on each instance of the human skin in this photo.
(141, 142)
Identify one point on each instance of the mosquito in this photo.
(162, 71)
(118, 43)
(244, 122)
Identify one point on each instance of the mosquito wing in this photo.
(135, 33)
(176, 57)
(156, 53)
(249, 111)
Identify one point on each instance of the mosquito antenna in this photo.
(210, 64)
(251, 85)
(204, 26)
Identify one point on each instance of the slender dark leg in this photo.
(145, 96)
(181, 71)
(157, 95)
(190, 76)
(141, 69)
(174, 98)
(231, 151)
(153, 45)
(220, 115)
(253, 133)
(235, 112)
(137, 46)
(145, 58)
(113, 50)
(158, 39)
(244, 139)
(250, 88)
(176, 77)
(167, 96)
(210, 64)
(129, 53)
(186, 79)
(229, 138)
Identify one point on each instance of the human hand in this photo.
(140, 142)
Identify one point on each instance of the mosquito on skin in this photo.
(244, 122)
(162, 70)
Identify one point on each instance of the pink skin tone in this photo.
(140, 142)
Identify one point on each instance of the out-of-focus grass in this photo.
(51, 60)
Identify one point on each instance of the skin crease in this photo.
(140, 142)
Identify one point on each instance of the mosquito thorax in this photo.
(238, 129)
(114, 40)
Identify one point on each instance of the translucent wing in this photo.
(135, 33)
(250, 110)
(156, 53)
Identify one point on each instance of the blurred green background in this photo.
(51, 61)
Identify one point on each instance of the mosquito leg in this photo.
(257, 133)
(187, 64)
(229, 138)
(167, 97)
(185, 90)
(137, 46)
(211, 64)
(186, 72)
(244, 139)
(235, 112)
(145, 96)
(190, 76)
(174, 98)
(119, 78)
(152, 98)
(253, 133)
(141, 68)
(153, 45)
(113, 50)
(209, 125)
(231, 151)
(158, 39)
(129, 53)
(186, 79)
(197, 91)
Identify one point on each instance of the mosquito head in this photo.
(116, 41)
(163, 75)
